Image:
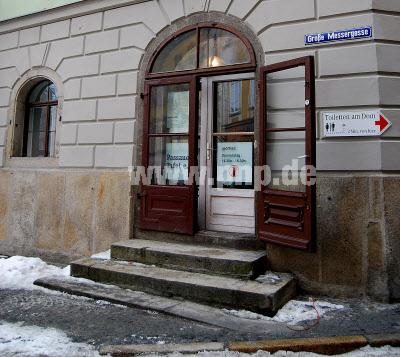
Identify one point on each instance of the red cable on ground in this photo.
(306, 327)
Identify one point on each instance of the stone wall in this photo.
(357, 250)
(60, 214)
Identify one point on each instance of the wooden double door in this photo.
(205, 160)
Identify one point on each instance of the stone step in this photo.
(264, 297)
(145, 301)
(206, 238)
(211, 260)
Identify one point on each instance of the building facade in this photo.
(92, 91)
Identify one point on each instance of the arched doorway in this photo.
(199, 101)
(199, 139)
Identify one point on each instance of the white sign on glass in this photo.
(177, 112)
(234, 162)
(176, 165)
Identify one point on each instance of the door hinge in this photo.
(140, 195)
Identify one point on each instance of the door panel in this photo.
(167, 209)
(286, 204)
(169, 150)
(228, 152)
(232, 212)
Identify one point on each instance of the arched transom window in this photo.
(200, 48)
(40, 122)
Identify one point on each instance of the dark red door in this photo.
(286, 203)
(169, 151)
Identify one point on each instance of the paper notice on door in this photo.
(176, 164)
(234, 162)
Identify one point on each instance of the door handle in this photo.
(208, 150)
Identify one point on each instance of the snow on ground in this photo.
(292, 313)
(105, 255)
(19, 272)
(367, 351)
(17, 340)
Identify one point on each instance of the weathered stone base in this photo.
(357, 239)
(66, 214)
(62, 214)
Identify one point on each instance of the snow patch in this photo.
(17, 340)
(105, 255)
(367, 351)
(269, 278)
(19, 272)
(291, 313)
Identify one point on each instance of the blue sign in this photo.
(351, 34)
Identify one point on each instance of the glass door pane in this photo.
(171, 155)
(169, 109)
(285, 128)
(234, 106)
(233, 137)
(168, 134)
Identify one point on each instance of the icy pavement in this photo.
(367, 351)
(88, 324)
(17, 340)
(292, 313)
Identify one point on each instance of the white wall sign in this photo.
(234, 162)
(354, 124)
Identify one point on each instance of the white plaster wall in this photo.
(96, 49)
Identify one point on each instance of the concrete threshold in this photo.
(170, 306)
(320, 345)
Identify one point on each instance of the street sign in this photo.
(354, 124)
(342, 35)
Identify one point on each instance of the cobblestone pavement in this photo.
(98, 322)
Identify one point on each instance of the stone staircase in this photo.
(215, 269)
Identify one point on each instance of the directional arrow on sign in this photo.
(354, 124)
(383, 123)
